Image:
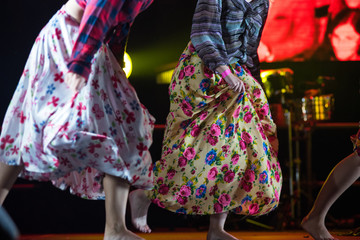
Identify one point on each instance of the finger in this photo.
(233, 87)
(76, 84)
(242, 88)
(80, 85)
(67, 79)
(73, 85)
(240, 85)
(237, 87)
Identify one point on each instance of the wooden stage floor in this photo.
(191, 235)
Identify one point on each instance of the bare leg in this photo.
(139, 205)
(341, 178)
(116, 195)
(8, 176)
(216, 228)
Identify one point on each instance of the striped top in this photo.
(229, 31)
(103, 21)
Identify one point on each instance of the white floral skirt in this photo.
(74, 139)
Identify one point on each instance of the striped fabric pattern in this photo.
(228, 31)
(104, 21)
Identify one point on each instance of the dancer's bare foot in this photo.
(316, 228)
(122, 235)
(219, 235)
(139, 205)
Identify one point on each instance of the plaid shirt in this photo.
(227, 31)
(104, 21)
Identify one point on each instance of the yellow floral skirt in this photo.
(217, 153)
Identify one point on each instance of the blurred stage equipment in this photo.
(277, 81)
(314, 108)
(317, 104)
(298, 116)
(278, 86)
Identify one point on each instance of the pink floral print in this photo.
(74, 139)
(216, 153)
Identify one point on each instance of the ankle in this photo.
(216, 228)
(115, 228)
(140, 193)
(314, 219)
(217, 222)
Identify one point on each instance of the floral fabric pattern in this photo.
(217, 154)
(74, 139)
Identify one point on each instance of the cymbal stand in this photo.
(287, 114)
(294, 162)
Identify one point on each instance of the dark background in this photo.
(157, 39)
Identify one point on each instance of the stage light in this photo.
(128, 65)
(164, 77)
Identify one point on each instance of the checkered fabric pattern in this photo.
(104, 21)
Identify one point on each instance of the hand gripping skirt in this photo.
(74, 139)
(217, 150)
